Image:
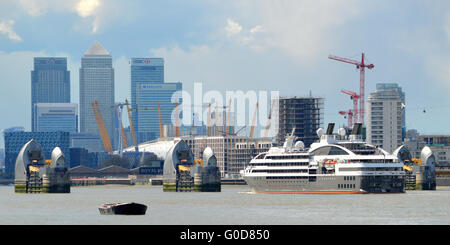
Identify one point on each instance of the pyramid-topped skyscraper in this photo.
(96, 49)
(97, 84)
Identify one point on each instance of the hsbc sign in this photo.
(147, 61)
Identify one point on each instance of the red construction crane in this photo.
(349, 115)
(361, 66)
(355, 98)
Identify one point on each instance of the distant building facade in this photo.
(304, 114)
(385, 117)
(148, 90)
(2, 159)
(439, 144)
(14, 141)
(97, 83)
(81, 156)
(56, 117)
(90, 141)
(50, 83)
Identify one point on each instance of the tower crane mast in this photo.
(361, 66)
(252, 127)
(349, 115)
(354, 112)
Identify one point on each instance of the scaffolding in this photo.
(304, 114)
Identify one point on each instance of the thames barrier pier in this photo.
(35, 175)
(183, 173)
(421, 173)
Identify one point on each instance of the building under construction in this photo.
(304, 115)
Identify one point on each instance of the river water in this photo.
(235, 205)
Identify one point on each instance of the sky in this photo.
(248, 45)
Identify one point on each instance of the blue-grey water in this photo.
(235, 205)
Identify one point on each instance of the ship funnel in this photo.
(357, 129)
(330, 129)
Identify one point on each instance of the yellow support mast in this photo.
(101, 127)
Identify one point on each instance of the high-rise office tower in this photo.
(50, 83)
(148, 89)
(52, 117)
(385, 118)
(97, 83)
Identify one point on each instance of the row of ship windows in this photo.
(288, 177)
(281, 171)
(285, 157)
(346, 186)
(370, 169)
(307, 163)
(281, 164)
(371, 160)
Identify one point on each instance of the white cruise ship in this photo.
(335, 164)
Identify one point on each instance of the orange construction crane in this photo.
(355, 98)
(193, 114)
(252, 127)
(266, 131)
(133, 133)
(235, 133)
(102, 127)
(349, 115)
(216, 117)
(227, 126)
(360, 65)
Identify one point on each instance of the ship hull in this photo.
(327, 184)
(123, 209)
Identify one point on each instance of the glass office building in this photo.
(56, 117)
(14, 141)
(50, 83)
(97, 83)
(148, 89)
(89, 141)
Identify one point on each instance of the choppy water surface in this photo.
(235, 205)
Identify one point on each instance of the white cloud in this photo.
(94, 12)
(232, 27)
(87, 8)
(34, 8)
(241, 35)
(302, 28)
(256, 29)
(6, 28)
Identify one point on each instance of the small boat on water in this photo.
(131, 208)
